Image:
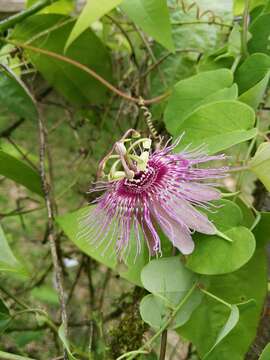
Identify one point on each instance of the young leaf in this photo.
(227, 328)
(14, 96)
(219, 125)
(260, 164)
(265, 355)
(8, 262)
(190, 93)
(92, 11)
(20, 172)
(153, 17)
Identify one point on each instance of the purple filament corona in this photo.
(166, 195)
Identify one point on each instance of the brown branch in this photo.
(51, 234)
(90, 72)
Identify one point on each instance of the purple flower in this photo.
(165, 194)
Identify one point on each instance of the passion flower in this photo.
(151, 190)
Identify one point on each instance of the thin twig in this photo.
(163, 345)
(9, 130)
(88, 71)
(51, 235)
(245, 29)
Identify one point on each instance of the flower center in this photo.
(142, 180)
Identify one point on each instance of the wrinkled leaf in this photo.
(260, 164)
(92, 11)
(20, 172)
(153, 17)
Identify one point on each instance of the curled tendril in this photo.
(212, 17)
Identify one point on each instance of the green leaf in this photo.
(8, 262)
(227, 215)
(250, 282)
(193, 92)
(167, 278)
(254, 95)
(265, 355)
(69, 223)
(262, 230)
(60, 7)
(218, 125)
(227, 328)
(155, 310)
(74, 84)
(20, 172)
(153, 17)
(5, 317)
(169, 281)
(14, 96)
(260, 164)
(92, 12)
(214, 255)
(260, 32)
(10, 356)
(62, 336)
(252, 71)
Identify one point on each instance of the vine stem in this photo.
(245, 29)
(17, 18)
(88, 71)
(51, 236)
(9, 356)
(163, 345)
(131, 355)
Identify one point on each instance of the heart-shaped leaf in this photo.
(218, 125)
(190, 93)
(214, 255)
